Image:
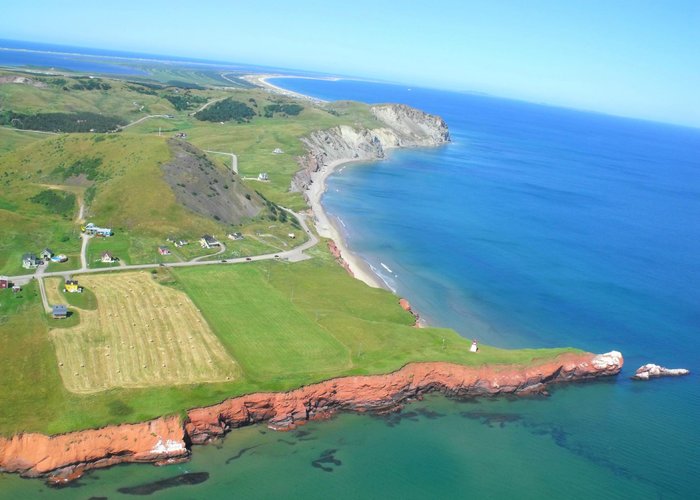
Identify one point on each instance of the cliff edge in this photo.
(67, 456)
(399, 126)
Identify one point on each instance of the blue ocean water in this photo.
(537, 226)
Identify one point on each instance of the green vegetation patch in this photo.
(89, 167)
(226, 110)
(56, 202)
(62, 122)
(283, 108)
(183, 102)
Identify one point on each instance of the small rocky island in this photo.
(651, 370)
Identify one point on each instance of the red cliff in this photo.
(67, 456)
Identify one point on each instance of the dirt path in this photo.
(234, 159)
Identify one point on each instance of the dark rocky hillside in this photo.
(205, 189)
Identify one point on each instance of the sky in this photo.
(637, 58)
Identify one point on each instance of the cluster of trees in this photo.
(62, 122)
(182, 102)
(56, 202)
(286, 109)
(226, 110)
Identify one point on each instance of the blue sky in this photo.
(634, 58)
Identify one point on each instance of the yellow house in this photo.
(71, 286)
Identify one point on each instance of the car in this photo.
(248, 258)
(224, 261)
(277, 256)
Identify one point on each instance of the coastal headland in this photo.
(290, 339)
(165, 440)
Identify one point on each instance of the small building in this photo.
(277, 151)
(474, 347)
(4, 282)
(292, 235)
(71, 286)
(93, 230)
(181, 135)
(180, 243)
(16, 288)
(208, 241)
(107, 258)
(235, 236)
(30, 261)
(262, 176)
(59, 311)
(46, 254)
(164, 250)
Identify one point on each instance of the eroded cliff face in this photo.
(164, 440)
(399, 126)
(386, 392)
(66, 456)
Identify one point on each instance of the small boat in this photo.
(386, 267)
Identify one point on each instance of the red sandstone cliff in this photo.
(67, 456)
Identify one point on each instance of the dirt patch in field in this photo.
(142, 334)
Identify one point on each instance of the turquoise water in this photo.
(536, 227)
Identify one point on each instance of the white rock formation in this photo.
(651, 370)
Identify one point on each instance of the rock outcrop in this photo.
(66, 456)
(381, 393)
(400, 126)
(651, 370)
(164, 440)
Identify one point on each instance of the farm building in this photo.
(235, 236)
(164, 250)
(4, 282)
(181, 243)
(46, 254)
(107, 258)
(93, 230)
(59, 311)
(30, 261)
(208, 241)
(71, 286)
(277, 151)
(262, 176)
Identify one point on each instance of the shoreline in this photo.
(326, 227)
(63, 458)
(260, 80)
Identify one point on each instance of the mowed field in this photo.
(141, 334)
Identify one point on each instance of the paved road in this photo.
(296, 254)
(234, 159)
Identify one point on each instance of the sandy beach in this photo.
(325, 225)
(261, 81)
(327, 228)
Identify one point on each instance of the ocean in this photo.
(536, 227)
